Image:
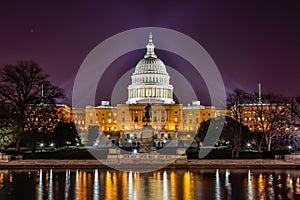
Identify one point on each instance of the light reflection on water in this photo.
(170, 184)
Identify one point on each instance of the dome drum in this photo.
(150, 79)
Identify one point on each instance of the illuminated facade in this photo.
(261, 116)
(196, 113)
(150, 84)
(46, 116)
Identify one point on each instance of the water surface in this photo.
(170, 184)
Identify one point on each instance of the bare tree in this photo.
(269, 118)
(41, 121)
(236, 103)
(293, 105)
(20, 87)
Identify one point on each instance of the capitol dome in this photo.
(150, 80)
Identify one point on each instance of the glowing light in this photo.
(218, 185)
(96, 185)
(50, 194)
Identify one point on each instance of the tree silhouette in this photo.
(228, 132)
(270, 118)
(20, 88)
(66, 132)
(236, 103)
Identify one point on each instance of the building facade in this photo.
(150, 84)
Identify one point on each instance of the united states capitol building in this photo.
(150, 84)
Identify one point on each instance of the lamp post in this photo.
(248, 145)
(42, 146)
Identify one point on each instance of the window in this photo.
(123, 119)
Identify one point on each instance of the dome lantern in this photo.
(150, 48)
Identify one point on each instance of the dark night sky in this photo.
(250, 42)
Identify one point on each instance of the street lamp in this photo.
(248, 145)
(42, 146)
(68, 143)
(130, 141)
(164, 142)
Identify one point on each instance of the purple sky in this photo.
(252, 42)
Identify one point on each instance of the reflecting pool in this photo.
(170, 184)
